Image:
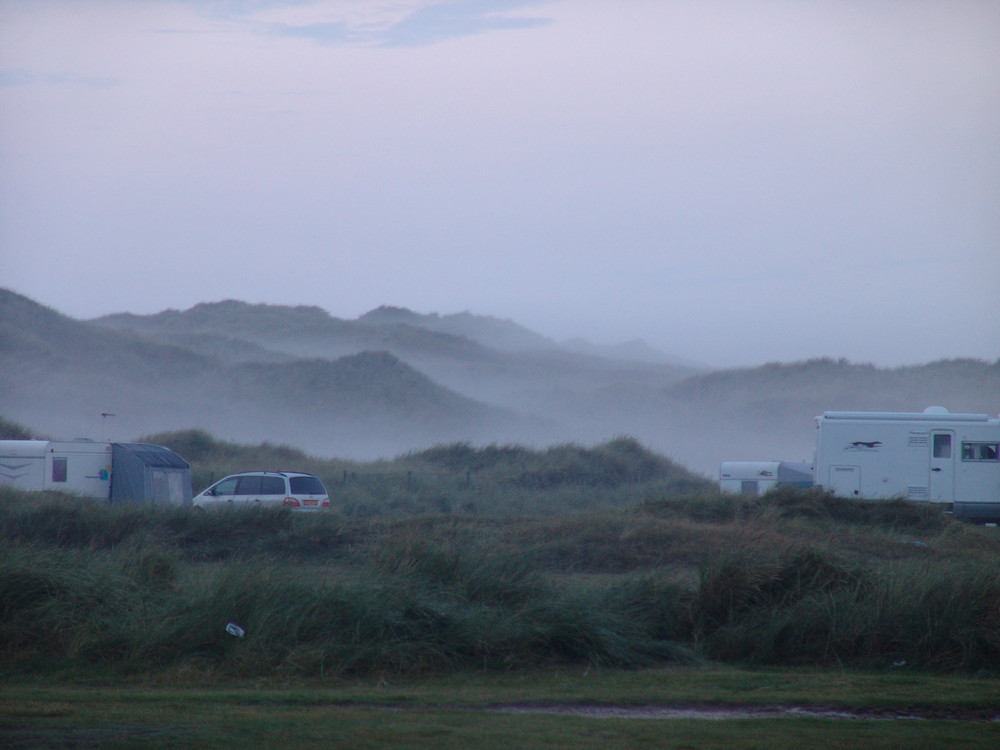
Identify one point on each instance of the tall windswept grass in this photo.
(934, 616)
(77, 603)
(819, 505)
(787, 579)
(805, 608)
(422, 607)
(461, 570)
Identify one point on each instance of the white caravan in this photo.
(116, 472)
(933, 456)
(759, 477)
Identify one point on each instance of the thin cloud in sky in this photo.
(240, 8)
(418, 26)
(439, 22)
(326, 33)
(399, 23)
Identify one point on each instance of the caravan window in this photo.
(59, 469)
(980, 451)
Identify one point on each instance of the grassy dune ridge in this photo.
(498, 480)
(493, 559)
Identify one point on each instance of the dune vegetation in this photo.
(496, 558)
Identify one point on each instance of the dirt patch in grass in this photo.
(734, 711)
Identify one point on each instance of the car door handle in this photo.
(936, 468)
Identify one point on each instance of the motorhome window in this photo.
(272, 486)
(248, 486)
(942, 445)
(980, 451)
(59, 470)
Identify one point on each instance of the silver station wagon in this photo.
(273, 489)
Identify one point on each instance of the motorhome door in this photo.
(942, 481)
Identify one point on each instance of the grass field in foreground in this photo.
(458, 710)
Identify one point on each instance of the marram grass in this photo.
(331, 595)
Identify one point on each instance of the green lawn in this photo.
(459, 711)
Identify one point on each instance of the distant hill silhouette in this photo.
(507, 335)
(394, 381)
(302, 331)
(504, 335)
(635, 350)
(60, 375)
(453, 350)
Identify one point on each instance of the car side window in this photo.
(248, 486)
(225, 487)
(272, 486)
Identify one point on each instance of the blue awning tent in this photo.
(147, 473)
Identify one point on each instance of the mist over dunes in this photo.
(394, 380)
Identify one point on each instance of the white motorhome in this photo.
(759, 477)
(116, 472)
(933, 456)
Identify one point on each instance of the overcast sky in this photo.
(735, 182)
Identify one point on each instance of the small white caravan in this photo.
(759, 477)
(933, 456)
(116, 472)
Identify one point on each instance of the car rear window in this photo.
(306, 486)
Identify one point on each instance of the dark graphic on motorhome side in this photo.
(861, 445)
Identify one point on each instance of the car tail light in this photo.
(291, 502)
(325, 502)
